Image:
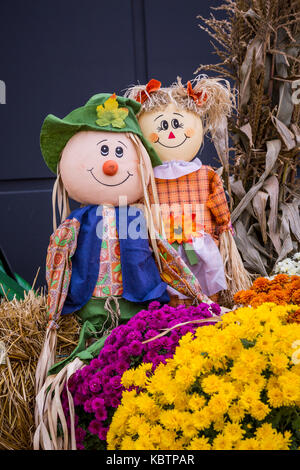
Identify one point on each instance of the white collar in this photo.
(176, 168)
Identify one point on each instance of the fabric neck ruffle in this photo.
(176, 168)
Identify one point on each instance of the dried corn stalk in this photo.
(258, 44)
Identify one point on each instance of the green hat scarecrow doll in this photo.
(107, 259)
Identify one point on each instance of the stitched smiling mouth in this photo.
(118, 184)
(172, 146)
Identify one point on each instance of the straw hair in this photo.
(219, 103)
(146, 174)
(49, 411)
(237, 277)
(157, 99)
(60, 199)
(22, 333)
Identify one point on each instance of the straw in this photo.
(22, 332)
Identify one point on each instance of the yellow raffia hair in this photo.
(60, 198)
(219, 103)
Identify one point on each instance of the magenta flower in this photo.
(88, 406)
(95, 364)
(140, 324)
(115, 382)
(123, 352)
(95, 385)
(114, 402)
(95, 426)
(103, 433)
(135, 348)
(97, 403)
(121, 366)
(101, 414)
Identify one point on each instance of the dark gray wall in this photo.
(54, 55)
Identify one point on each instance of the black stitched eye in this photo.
(175, 123)
(164, 125)
(119, 152)
(104, 150)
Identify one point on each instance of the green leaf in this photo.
(104, 244)
(119, 123)
(122, 113)
(247, 344)
(117, 268)
(296, 423)
(103, 122)
(105, 290)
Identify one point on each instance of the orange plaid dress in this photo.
(200, 190)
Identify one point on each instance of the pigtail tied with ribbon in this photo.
(199, 97)
(152, 86)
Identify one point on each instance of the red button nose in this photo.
(110, 167)
(171, 135)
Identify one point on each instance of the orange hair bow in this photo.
(199, 97)
(152, 85)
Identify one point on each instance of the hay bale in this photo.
(22, 332)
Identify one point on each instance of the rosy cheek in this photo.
(153, 137)
(190, 132)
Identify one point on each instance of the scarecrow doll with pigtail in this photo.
(106, 261)
(191, 195)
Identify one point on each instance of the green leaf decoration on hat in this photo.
(110, 113)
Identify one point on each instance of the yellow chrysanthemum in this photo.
(248, 444)
(248, 398)
(233, 431)
(127, 443)
(196, 402)
(219, 424)
(185, 375)
(211, 384)
(202, 419)
(199, 443)
(290, 386)
(222, 442)
(170, 419)
(259, 410)
(236, 413)
(217, 405)
(135, 422)
(275, 397)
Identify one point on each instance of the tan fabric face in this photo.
(82, 173)
(175, 133)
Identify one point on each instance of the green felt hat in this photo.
(103, 112)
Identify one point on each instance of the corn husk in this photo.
(258, 46)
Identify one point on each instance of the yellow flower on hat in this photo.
(110, 113)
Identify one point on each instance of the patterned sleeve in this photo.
(61, 248)
(176, 273)
(217, 203)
